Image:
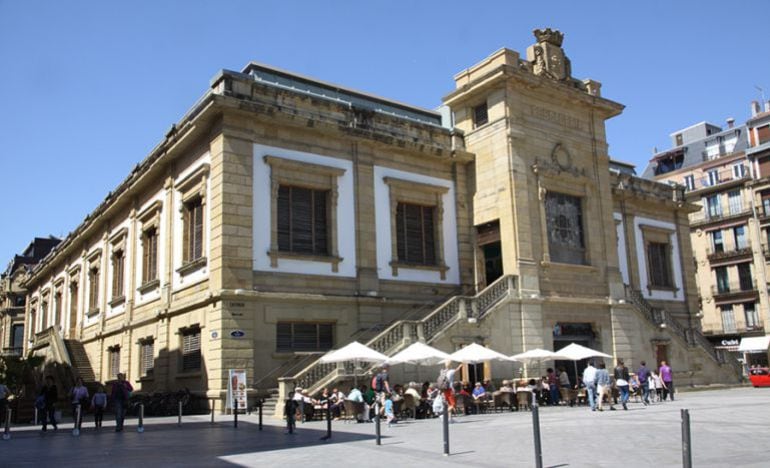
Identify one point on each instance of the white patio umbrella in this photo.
(419, 353)
(355, 352)
(575, 352)
(475, 353)
(535, 355)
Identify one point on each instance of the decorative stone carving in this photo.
(547, 57)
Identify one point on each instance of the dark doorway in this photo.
(475, 373)
(493, 262)
(661, 353)
(488, 240)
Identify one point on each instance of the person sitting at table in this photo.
(308, 406)
(488, 386)
(424, 391)
(336, 399)
(419, 409)
(398, 393)
(479, 392)
(506, 387)
(357, 395)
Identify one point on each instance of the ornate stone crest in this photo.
(547, 57)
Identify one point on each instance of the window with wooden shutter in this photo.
(416, 223)
(118, 270)
(302, 220)
(304, 336)
(113, 361)
(149, 255)
(146, 357)
(659, 264)
(191, 349)
(763, 134)
(193, 230)
(193, 195)
(415, 234)
(93, 289)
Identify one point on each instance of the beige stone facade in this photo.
(288, 216)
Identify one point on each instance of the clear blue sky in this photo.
(88, 88)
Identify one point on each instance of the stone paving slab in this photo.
(729, 427)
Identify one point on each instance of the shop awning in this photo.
(754, 344)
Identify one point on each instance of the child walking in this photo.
(99, 404)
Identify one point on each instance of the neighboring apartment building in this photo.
(13, 295)
(284, 216)
(729, 236)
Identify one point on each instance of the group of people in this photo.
(654, 385)
(80, 400)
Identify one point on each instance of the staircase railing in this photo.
(692, 336)
(402, 332)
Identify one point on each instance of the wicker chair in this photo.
(408, 407)
(524, 399)
(352, 409)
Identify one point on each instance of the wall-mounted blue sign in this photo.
(237, 333)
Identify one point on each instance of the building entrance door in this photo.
(488, 239)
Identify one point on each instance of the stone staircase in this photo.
(692, 336)
(401, 333)
(81, 365)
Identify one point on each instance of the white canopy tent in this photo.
(475, 353)
(355, 352)
(419, 353)
(575, 352)
(536, 355)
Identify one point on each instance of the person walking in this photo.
(621, 380)
(121, 389)
(79, 396)
(4, 394)
(642, 373)
(666, 375)
(99, 404)
(49, 394)
(603, 384)
(589, 380)
(445, 384)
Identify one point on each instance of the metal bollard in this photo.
(213, 409)
(536, 430)
(7, 431)
(289, 417)
(445, 422)
(260, 415)
(76, 430)
(235, 413)
(140, 427)
(179, 422)
(36, 423)
(377, 422)
(686, 442)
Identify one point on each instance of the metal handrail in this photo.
(394, 336)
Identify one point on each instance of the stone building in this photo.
(13, 295)
(721, 171)
(284, 216)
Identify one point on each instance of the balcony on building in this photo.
(707, 216)
(728, 254)
(13, 351)
(732, 292)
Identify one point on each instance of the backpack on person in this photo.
(442, 383)
(377, 383)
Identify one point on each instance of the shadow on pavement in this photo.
(192, 444)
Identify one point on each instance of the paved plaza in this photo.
(729, 428)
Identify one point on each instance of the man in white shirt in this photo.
(589, 380)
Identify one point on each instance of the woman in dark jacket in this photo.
(50, 394)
